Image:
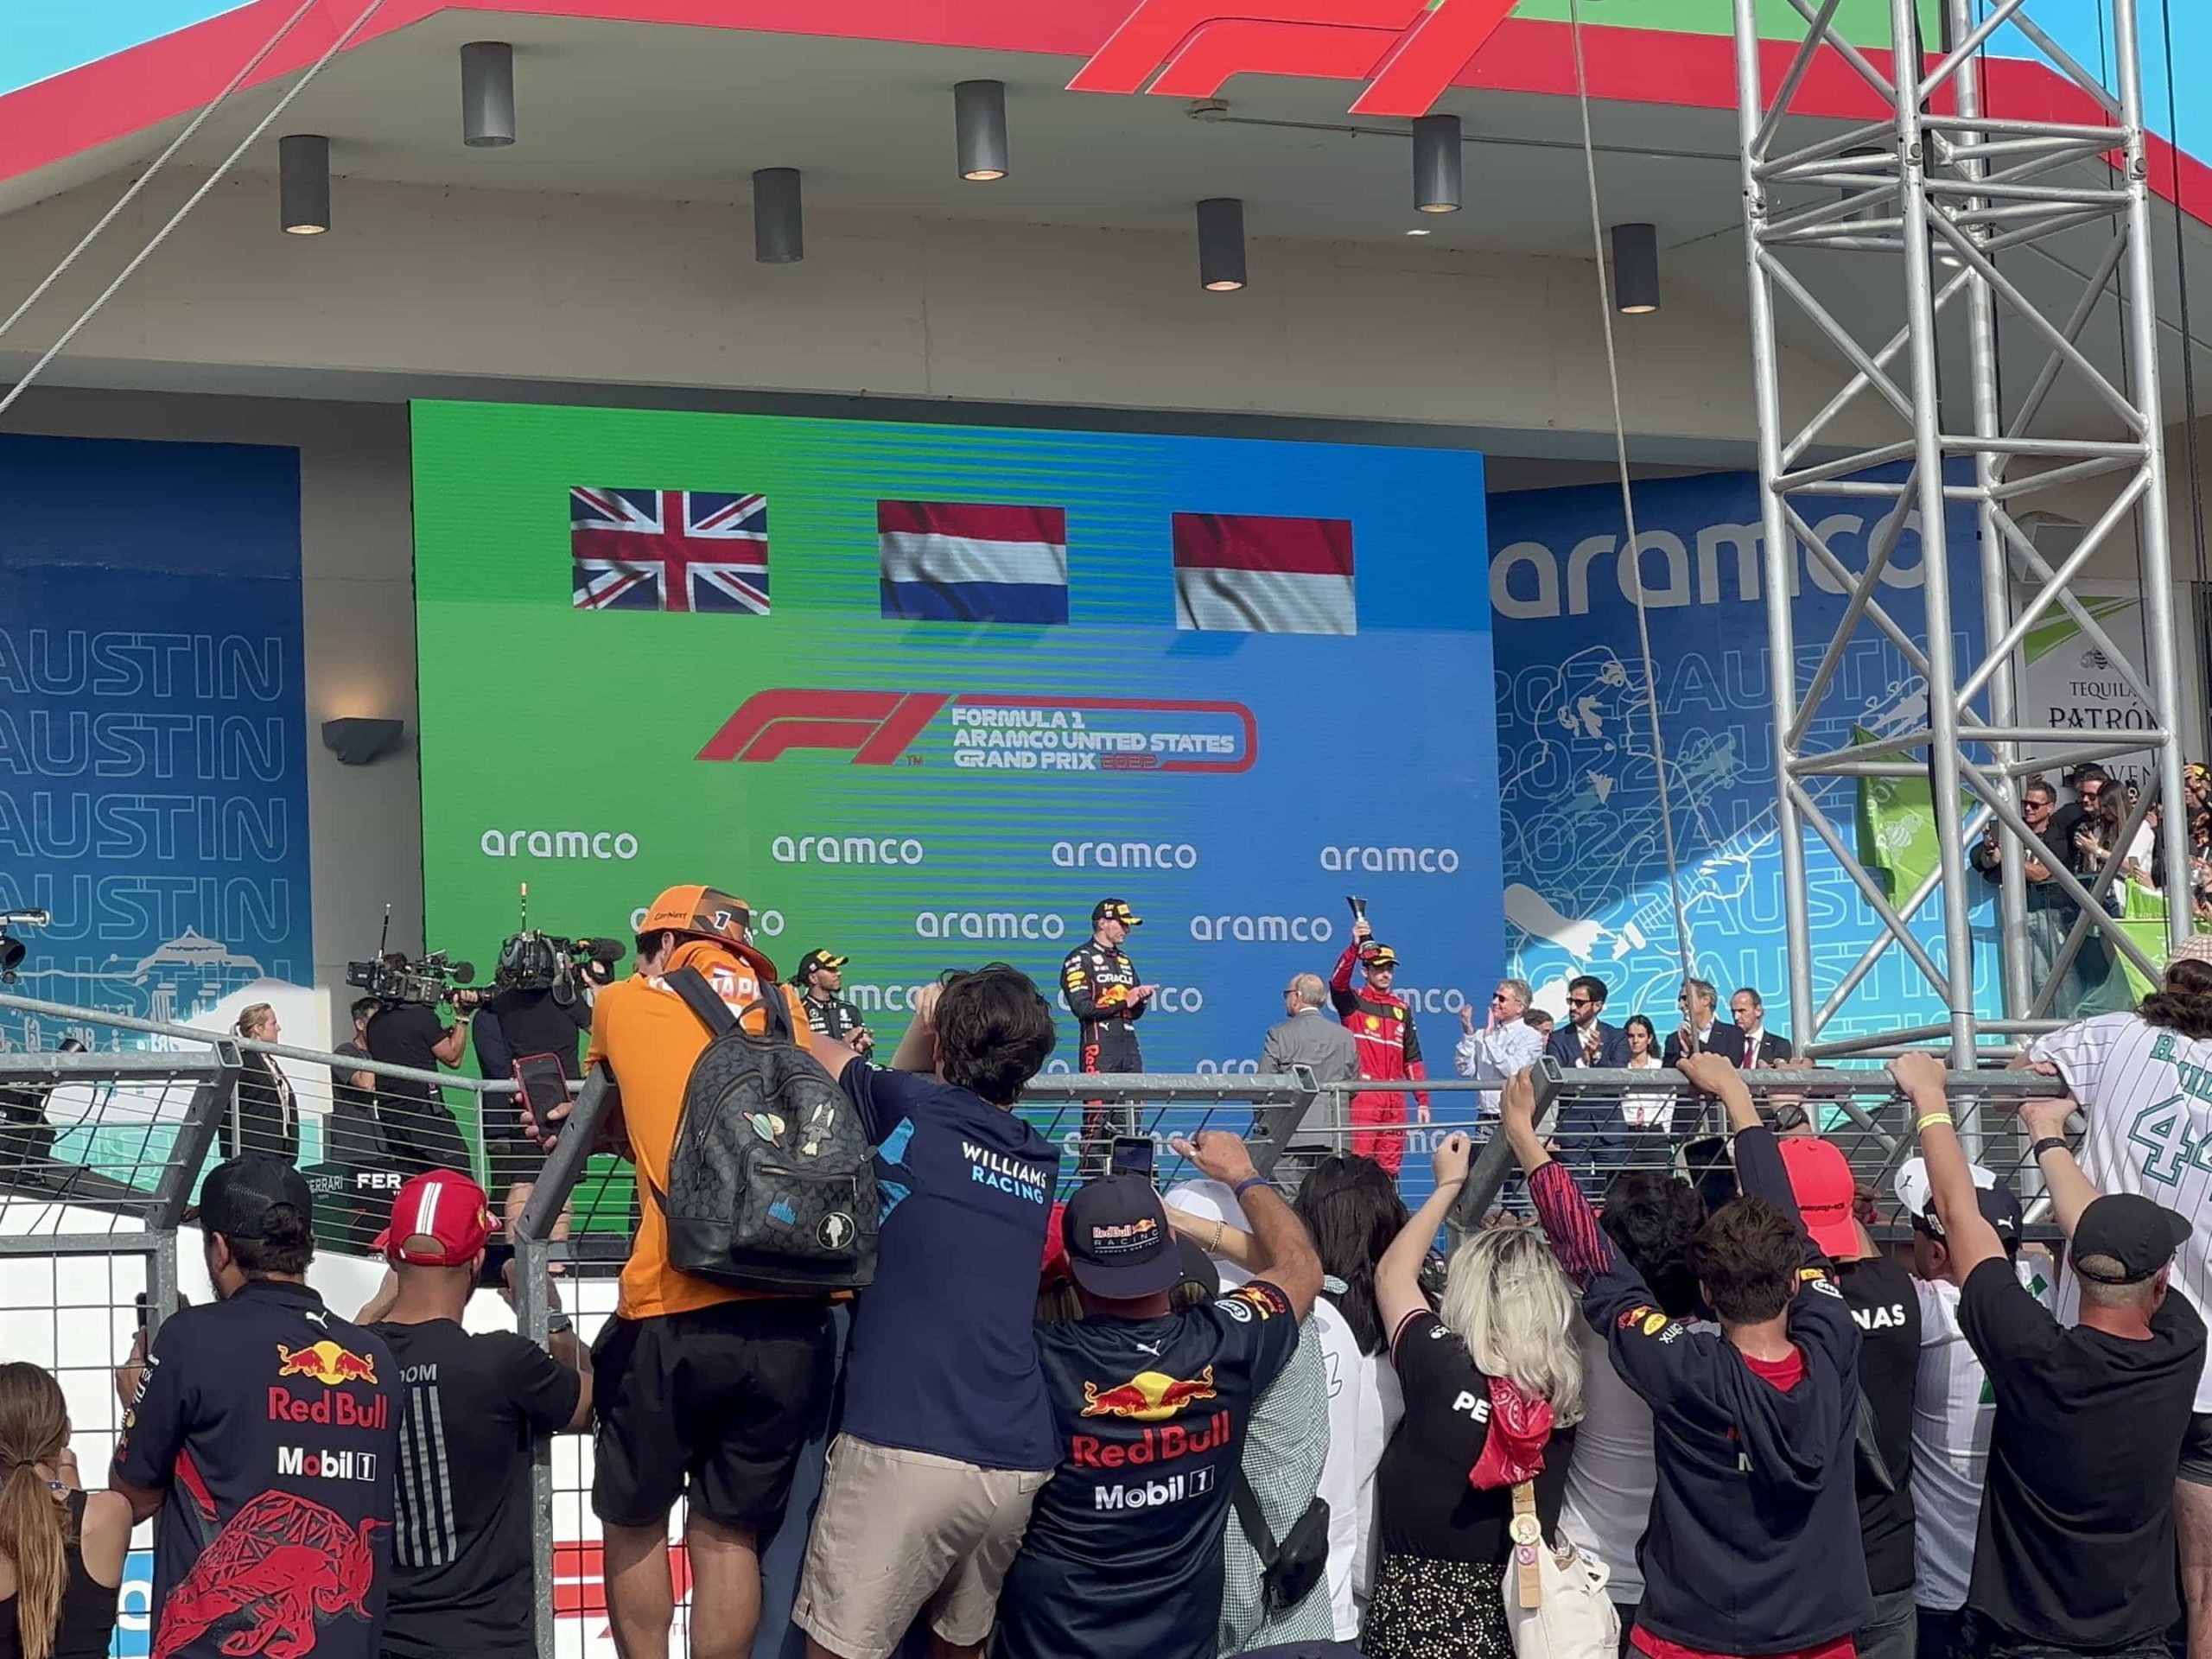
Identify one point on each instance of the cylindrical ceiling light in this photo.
(979, 123)
(1635, 268)
(1221, 244)
(303, 182)
(487, 94)
(778, 221)
(1436, 163)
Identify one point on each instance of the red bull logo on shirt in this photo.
(1162, 1445)
(1148, 1397)
(327, 1363)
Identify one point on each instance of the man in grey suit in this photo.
(1310, 1036)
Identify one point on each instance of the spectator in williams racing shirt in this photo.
(261, 1430)
(821, 976)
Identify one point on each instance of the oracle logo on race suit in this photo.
(1169, 999)
(1408, 51)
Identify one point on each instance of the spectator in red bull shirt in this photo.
(1123, 1555)
(947, 1434)
(477, 1406)
(263, 1432)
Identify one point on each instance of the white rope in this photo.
(160, 162)
(190, 202)
(1628, 498)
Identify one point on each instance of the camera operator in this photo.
(540, 1007)
(418, 1127)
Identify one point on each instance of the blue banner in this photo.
(1586, 888)
(153, 728)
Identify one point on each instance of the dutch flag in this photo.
(961, 561)
(1243, 572)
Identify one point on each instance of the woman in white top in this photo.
(1351, 1207)
(1646, 1111)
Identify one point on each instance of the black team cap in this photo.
(238, 1195)
(1115, 910)
(1118, 1242)
(2129, 1229)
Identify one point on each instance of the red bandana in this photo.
(1513, 1451)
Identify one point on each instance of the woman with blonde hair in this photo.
(1493, 1379)
(61, 1549)
(265, 1114)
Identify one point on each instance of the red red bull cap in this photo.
(440, 1219)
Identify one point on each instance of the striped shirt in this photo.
(2147, 1093)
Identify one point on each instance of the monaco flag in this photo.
(961, 562)
(1241, 573)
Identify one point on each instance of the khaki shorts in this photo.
(899, 1531)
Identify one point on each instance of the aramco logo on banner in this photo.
(1407, 51)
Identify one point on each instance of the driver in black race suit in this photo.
(1100, 984)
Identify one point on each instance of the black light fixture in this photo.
(357, 741)
(1221, 244)
(779, 219)
(1437, 155)
(1635, 268)
(979, 125)
(303, 182)
(487, 94)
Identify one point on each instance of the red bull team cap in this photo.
(1117, 1239)
(238, 1195)
(1115, 910)
(440, 1219)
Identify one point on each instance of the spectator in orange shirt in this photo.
(704, 1392)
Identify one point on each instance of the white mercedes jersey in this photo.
(2147, 1093)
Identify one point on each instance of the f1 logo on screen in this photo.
(990, 732)
(1408, 51)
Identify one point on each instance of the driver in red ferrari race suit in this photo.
(1389, 1048)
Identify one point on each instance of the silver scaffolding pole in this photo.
(1940, 198)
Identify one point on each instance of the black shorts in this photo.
(509, 1161)
(712, 1405)
(2196, 1451)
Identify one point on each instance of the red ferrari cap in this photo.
(442, 1205)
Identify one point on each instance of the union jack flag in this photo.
(668, 550)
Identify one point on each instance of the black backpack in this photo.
(770, 1180)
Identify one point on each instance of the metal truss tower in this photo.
(1930, 198)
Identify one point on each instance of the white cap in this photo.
(1215, 1201)
(1915, 1191)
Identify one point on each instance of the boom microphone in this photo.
(607, 951)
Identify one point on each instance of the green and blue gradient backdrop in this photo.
(539, 716)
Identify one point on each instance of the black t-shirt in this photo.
(2076, 1543)
(270, 1423)
(472, 1409)
(1123, 1555)
(533, 1023)
(1881, 1297)
(343, 1090)
(406, 1035)
(1424, 1505)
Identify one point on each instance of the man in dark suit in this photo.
(1703, 1031)
(1763, 1049)
(1594, 1138)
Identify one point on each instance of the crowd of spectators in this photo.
(1228, 1419)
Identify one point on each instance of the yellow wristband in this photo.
(1934, 1117)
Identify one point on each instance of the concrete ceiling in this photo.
(622, 110)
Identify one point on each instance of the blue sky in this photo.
(43, 37)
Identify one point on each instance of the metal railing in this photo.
(90, 1198)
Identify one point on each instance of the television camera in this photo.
(535, 961)
(394, 976)
(13, 950)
